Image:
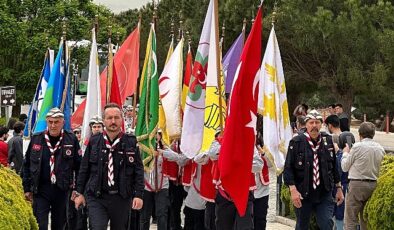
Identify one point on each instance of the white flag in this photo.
(93, 95)
(170, 87)
(273, 105)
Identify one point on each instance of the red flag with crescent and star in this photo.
(236, 154)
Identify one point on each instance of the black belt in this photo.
(365, 180)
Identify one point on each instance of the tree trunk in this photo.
(346, 100)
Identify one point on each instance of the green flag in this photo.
(148, 112)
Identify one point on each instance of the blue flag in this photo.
(68, 96)
(54, 92)
(39, 95)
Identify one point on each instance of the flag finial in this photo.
(273, 17)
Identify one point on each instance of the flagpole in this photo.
(244, 30)
(109, 64)
(64, 96)
(215, 6)
(136, 83)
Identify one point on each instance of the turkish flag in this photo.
(115, 97)
(236, 154)
(127, 65)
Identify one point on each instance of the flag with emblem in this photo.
(162, 116)
(273, 104)
(215, 103)
(193, 117)
(170, 92)
(236, 153)
(39, 95)
(148, 112)
(54, 92)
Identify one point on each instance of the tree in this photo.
(29, 26)
(345, 47)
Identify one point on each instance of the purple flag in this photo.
(231, 60)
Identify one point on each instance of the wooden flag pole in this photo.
(216, 18)
(109, 64)
(136, 84)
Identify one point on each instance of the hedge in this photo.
(379, 210)
(15, 211)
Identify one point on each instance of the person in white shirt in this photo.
(363, 164)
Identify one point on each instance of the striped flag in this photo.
(54, 92)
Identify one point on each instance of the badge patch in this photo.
(131, 159)
(36, 147)
(68, 152)
(130, 153)
(120, 152)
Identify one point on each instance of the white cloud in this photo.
(121, 5)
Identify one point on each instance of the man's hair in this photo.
(19, 126)
(22, 117)
(3, 131)
(301, 120)
(333, 120)
(331, 106)
(367, 130)
(339, 105)
(112, 105)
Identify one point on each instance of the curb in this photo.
(285, 221)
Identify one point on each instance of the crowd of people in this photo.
(107, 185)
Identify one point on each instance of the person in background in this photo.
(261, 194)
(362, 162)
(300, 125)
(343, 118)
(77, 132)
(15, 148)
(331, 109)
(96, 125)
(3, 146)
(23, 118)
(332, 123)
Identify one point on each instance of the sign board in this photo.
(7, 96)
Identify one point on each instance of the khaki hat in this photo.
(55, 113)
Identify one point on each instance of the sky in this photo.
(121, 5)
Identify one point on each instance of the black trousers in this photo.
(210, 216)
(177, 195)
(50, 198)
(227, 217)
(162, 202)
(260, 209)
(323, 210)
(194, 219)
(76, 219)
(113, 208)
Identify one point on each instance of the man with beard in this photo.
(311, 172)
(111, 174)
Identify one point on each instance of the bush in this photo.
(15, 211)
(379, 210)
